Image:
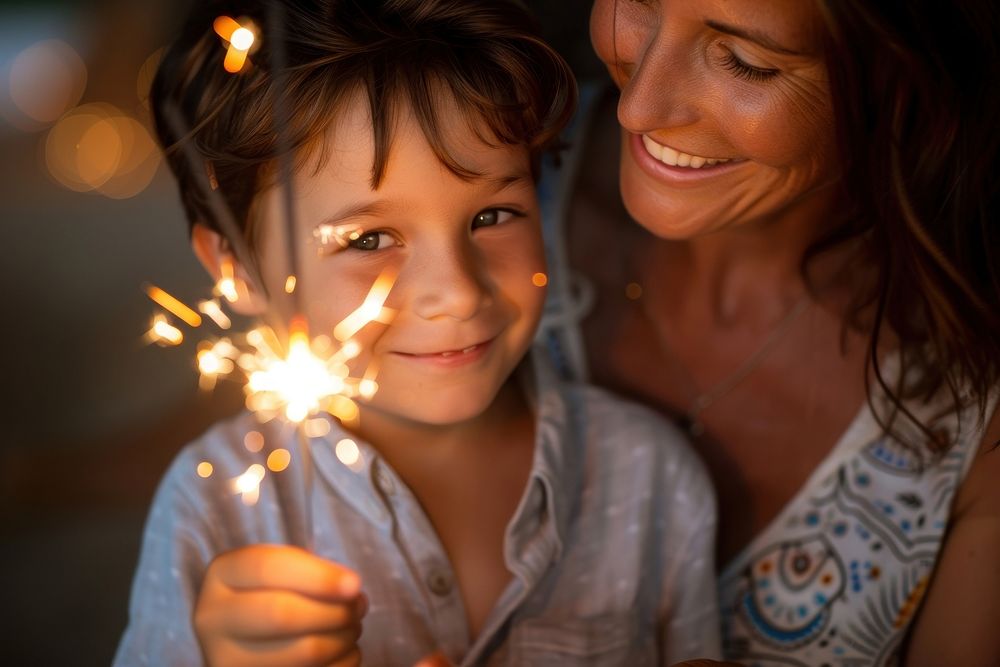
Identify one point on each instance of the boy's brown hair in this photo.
(485, 53)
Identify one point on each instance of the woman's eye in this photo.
(745, 71)
(372, 241)
(493, 216)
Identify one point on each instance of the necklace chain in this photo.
(701, 400)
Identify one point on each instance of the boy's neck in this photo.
(411, 447)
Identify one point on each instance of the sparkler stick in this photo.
(216, 204)
(279, 117)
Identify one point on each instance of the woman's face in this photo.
(725, 110)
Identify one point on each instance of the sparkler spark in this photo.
(371, 310)
(212, 310)
(174, 306)
(239, 38)
(163, 332)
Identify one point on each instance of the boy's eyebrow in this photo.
(356, 210)
(507, 180)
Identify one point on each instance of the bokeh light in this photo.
(253, 441)
(45, 80)
(278, 460)
(97, 147)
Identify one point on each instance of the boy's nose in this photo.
(449, 284)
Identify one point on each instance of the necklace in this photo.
(701, 400)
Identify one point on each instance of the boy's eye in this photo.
(493, 216)
(372, 241)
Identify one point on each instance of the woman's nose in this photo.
(448, 284)
(657, 78)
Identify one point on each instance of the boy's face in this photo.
(464, 253)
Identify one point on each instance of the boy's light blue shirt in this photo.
(611, 547)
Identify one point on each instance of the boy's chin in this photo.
(432, 410)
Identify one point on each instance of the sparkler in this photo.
(302, 380)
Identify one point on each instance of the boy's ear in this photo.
(213, 252)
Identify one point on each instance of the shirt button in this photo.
(439, 582)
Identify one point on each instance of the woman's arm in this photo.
(957, 624)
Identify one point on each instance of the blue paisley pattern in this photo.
(838, 575)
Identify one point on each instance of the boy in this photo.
(487, 510)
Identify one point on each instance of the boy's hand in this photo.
(272, 606)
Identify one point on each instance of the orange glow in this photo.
(225, 27)
(97, 147)
(174, 306)
(205, 469)
(240, 39)
(539, 280)
(278, 460)
(633, 291)
(371, 310)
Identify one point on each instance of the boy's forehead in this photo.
(350, 141)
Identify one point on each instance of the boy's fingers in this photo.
(269, 566)
(317, 650)
(276, 614)
(437, 659)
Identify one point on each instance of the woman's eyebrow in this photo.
(753, 36)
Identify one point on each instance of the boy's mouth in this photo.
(456, 357)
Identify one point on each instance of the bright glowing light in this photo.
(214, 312)
(227, 288)
(174, 306)
(290, 284)
(301, 380)
(371, 310)
(205, 469)
(539, 280)
(248, 484)
(164, 333)
(367, 388)
(278, 460)
(348, 453)
(242, 39)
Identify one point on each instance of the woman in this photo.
(814, 293)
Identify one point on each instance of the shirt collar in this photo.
(537, 531)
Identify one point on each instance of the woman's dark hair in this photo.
(916, 93)
(484, 54)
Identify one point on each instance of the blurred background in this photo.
(89, 216)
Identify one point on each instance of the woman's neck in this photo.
(751, 272)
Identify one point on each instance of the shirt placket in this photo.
(429, 565)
